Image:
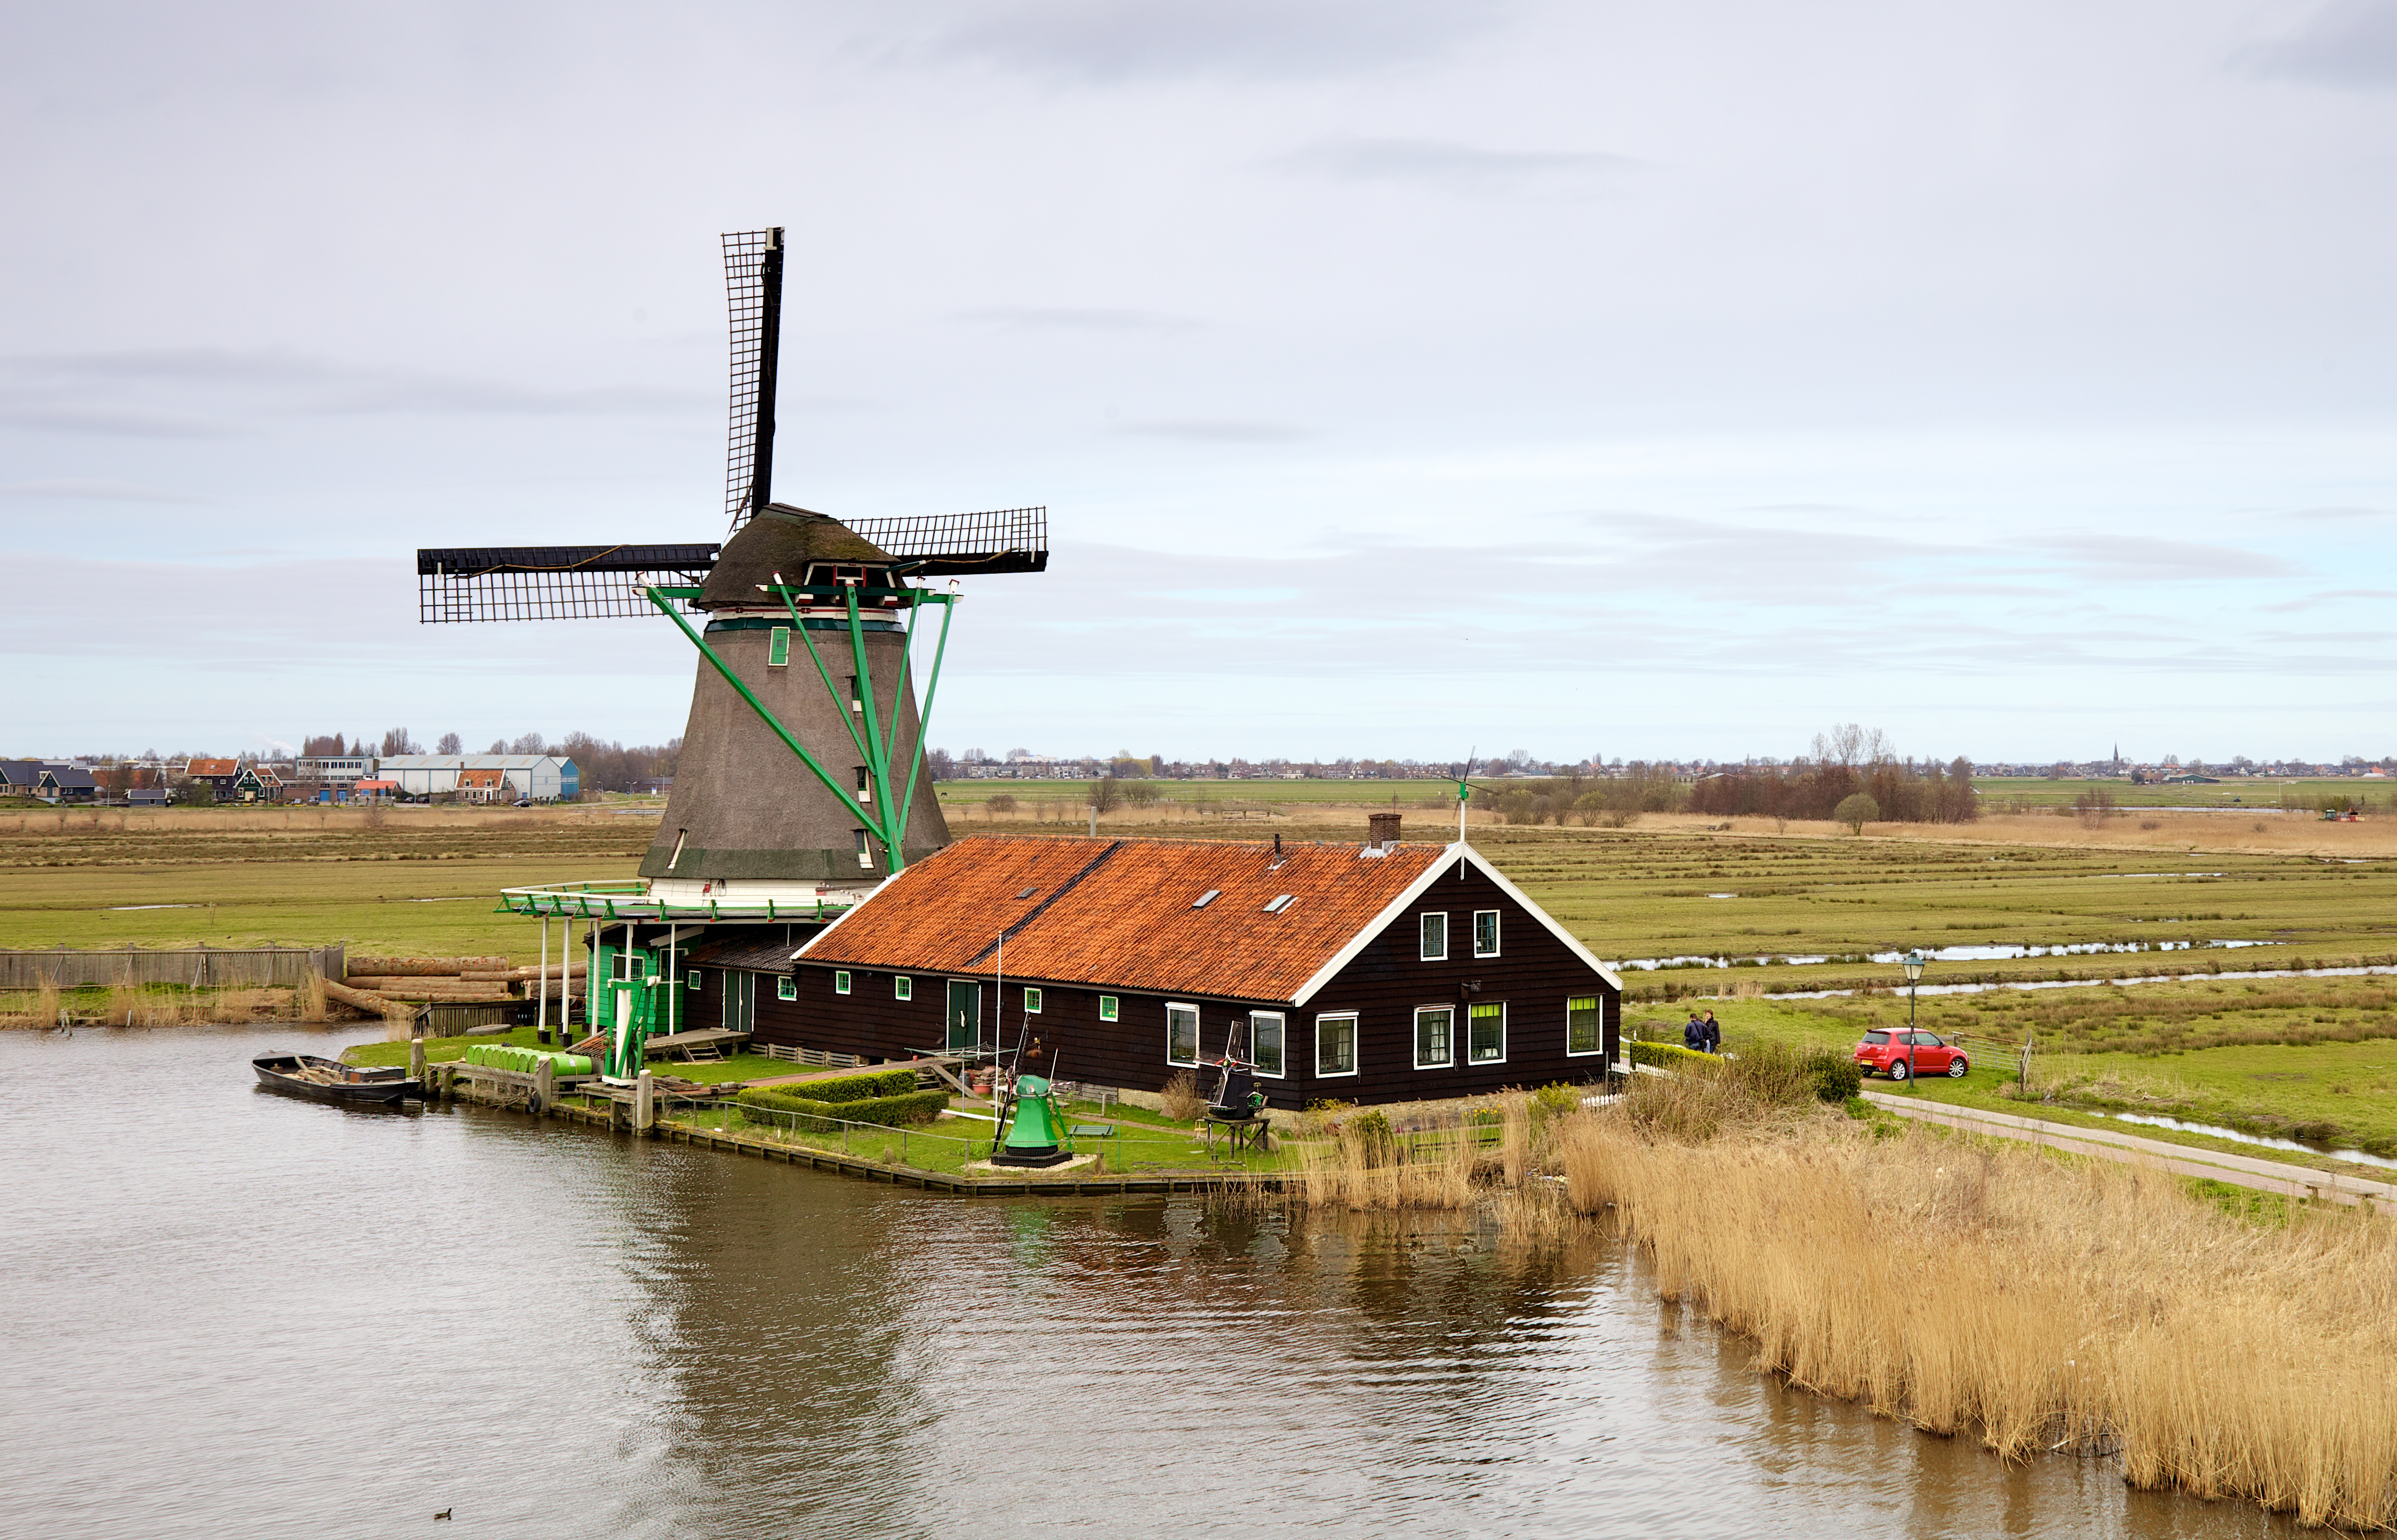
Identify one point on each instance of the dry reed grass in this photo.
(2036, 1302)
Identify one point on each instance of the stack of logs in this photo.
(395, 986)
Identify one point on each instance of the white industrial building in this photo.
(527, 777)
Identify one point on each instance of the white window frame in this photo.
(786, 988)
(1470, 1062)
(1032, 999)
(1573, 1052)
(841, 981)
(1477, 915)
(1282, 1043)
(778, 646)
(1423, 935)
(1354, 1056)
(1422, 1063)
(1110, 1007)
(902, 987)
(1174, 1009)
(694, 987)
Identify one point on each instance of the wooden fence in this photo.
(197, 968)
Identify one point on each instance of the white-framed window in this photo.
(1181, 1035)
(778, 646)
(1266, 1043)
(1485, 932)
(1032, 1002)
(786, 988)
(841, 981)
(1435, 1036)
(1335, 1045)
(903, 989)
(1109, 1008)
(865, 856)
(1585, 1025)
(1432, 930)
(1485, 1035)
(694, 986)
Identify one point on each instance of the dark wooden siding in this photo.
(1533, 975)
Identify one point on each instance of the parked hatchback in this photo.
(1886, 1053)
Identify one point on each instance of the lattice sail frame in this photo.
(753, 290)
(551, 582)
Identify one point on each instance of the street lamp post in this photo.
(1913, 962)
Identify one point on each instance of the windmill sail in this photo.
(753, 288)
(546, 583)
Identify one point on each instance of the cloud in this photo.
(2335, 515)
(2348, 43)
(1079, 318)
(2332, 595)
(292, 381)
(97, 491)
(1110, 42)
(2135, 559)
(1215, 430)
(1456, 168)
(115, 421)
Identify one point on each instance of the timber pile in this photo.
(395, 985)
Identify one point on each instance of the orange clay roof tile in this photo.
(1118, 911)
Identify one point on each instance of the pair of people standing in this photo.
(1702, 1034)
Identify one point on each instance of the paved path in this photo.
(2245, 1170)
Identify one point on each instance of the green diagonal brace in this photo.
(924, 718)
(877, 758)
(874, 824)
(799, 625)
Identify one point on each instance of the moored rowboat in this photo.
(330, 1081)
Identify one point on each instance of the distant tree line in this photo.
(1899, 791)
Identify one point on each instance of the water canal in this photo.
(233, 1313)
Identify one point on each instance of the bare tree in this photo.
(1851, 746)
(1104, 793)
(449, 744)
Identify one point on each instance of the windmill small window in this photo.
(865, 853)
(778, 646)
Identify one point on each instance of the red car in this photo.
(1885, 1052)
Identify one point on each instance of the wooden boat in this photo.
(330, 1081)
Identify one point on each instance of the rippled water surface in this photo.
(231, 1313)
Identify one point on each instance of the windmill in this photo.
(799, 783)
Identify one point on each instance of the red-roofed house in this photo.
(1374, 973)
(220, 774)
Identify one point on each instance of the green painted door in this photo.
(965, 1016)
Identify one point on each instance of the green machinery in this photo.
(1035, 1129)
(629, 1014)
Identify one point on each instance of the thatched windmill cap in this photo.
(786, 540)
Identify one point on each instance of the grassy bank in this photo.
(2312, 1059)
(2033, 1302)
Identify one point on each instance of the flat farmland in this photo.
(414, 882)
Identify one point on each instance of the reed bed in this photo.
(2036, 1302)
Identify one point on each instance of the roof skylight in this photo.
(1279, 904)
(1027, 893)
(1210, 896)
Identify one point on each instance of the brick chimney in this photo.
(1383, 829)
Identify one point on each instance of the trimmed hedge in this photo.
(1669, 1055)
(914, 1107)
(851, 1088)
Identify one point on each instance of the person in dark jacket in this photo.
(1713, 1029)
(1693, 1034)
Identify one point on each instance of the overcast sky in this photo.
(1401, 377)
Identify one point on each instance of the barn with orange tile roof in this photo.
(1375, 972)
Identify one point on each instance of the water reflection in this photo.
(574, 1334)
